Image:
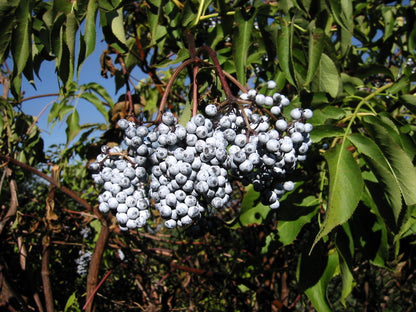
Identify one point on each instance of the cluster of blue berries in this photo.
(183, 171)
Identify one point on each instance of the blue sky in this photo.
(90, 72)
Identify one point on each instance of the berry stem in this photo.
(170, 84)
(219, 71)
(195, 91)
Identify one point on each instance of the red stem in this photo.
(195, 91)
(96, 289)
(170, 84)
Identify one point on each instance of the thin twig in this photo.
(170, 84)
(14, 203)
(64, 189)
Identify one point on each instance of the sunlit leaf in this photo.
(73, 127)
(345, 187)
(242, 42)
(284, 47)
(325, 131)
(381, 169)
(327, 77)
(316, 43)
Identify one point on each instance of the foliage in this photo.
(343, 239)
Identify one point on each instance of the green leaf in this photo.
(381, 168)
(70, 302)
(242, 42)
(317, 294)
(409, 100)
(325, 131)
(186, 114)
(347, 281)
(101, 91)
(400, 85)
(113, 29)
(87, 41)
(329, 112)
(399, 162)
(284, 47)
(117, 25)
(327, 77)
(21, 45)
(252, 212)
(90, 32)
(300, 214)
(345, 187)
(7, 24)
(73, 127)
(70, 34)
(316, 44)
(343, 13)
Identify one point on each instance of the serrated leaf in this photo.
(343, 13)
(345, 187)
(242, 42)
(381, 169)
(7, 24)
(21, 45)
(113, 29)
(400, 85)
(399, 162)
(73, 127)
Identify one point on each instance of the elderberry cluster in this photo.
(185, 171)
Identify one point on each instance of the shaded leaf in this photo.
(317, 294)
(301, 213)
(7, 24)
(409, 100)
(399, 162)
(382, 170)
